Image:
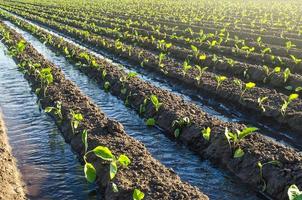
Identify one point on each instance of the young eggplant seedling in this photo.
(260, 166)
(155, 102)
(286, 103)
(294, 193)
(76, 118)
(219, 80)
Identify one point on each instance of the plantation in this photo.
(153, 99)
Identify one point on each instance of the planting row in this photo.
(217, 42)
(121, 165)
(243, 154)
(270, 103)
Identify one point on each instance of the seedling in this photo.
(286, 103)
(150, 122)
(142, 107)
(161, 58)
(294, 193)
(296, 60)
(155, 102)
(186, 67)
(289, 45)
(76, 118)
(125, 79)
(268, 73)
(219, 80)
(57, 110)
(206, 133)
(46, 78)
(180, 124)
(107, 86)
(260, 166)
(248, 86)
(261, 101)
(286, 74)
(195, 51)
(18, 48)
(105, 154)
(201, 71)
(235, 138)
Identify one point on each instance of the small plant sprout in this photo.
(142, 107)
(195, 51)
(201, 71)
(219, 80)
(261, 101)
(206, 133)
(161, 58)
(105, 154)
(268, 72)
(124, 79)
(286, 103)
(46, 78)
(289, 45)
(248, 86)
(179, 125)
(150, 122)
(57, 110)
(186, 67)
(76, 118)
(235, 138)
(296, 60)
(18, 49)
(260, 166)
(107, 86)
(286, 74)
(203, 57)
(294, 193)
(155, 102)
(138, 195)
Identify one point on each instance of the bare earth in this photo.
(11, 186)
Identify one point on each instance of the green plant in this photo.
(289, 45)
(260, 166)
(248, 86)
(261, 101)
(206, 133)
(286, 103)
(286, 74)
(105, 154)
(296, 60)
(142, 107)
(195, 51)
(76, 118)
(138, 195)
(107, 86)
(235, 138)
(150, 122)
(161, 58)
(294, 193)
(201, 71)
(269, 72)
(155, 102)
(186, 67)
(219, 80)
(18, 48)
(179, 124)
(124, 79)
(46, 78)
(57, 109)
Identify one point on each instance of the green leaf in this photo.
(298, 89)
(114, 187)
(177, 132)
(90, 172)
(48, 109)
(277, 69)
(293, 97)
(113, 169)
(203, 57)
(245, 132)
(103, 152)
(124, 160)
(150, 122)
(84, 139)
(154, 99)
(294, 193)
(138, 195)
(206, 133)
(238, 153)
(250, 85)
(194, 48)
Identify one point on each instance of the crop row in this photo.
(121, 163)
(270, 103)
(185, 121)
(156, 39)
(218, 41)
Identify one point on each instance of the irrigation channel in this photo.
(224, 112)
(190, 167)
(47, 164)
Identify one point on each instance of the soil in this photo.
(12, 187)
(144, 172)
(256, 147)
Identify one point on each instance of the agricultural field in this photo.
(138, 99)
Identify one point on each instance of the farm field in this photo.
(137, 99)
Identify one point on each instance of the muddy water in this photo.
(48, 166)
(229, 113)
(215, 183)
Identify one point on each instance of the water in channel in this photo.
(215, 183)
(49, 168)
